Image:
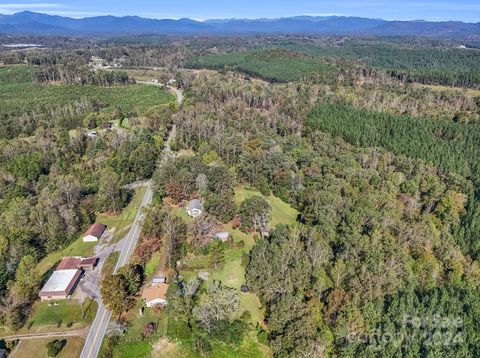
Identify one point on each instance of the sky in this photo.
(432, 10)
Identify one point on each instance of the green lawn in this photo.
(282, 213)
(65, 315)
(133, 344)
(67, 311)
(37, 348)
(153, 264)
(76, 248)
(124, 220)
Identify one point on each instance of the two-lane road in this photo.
(102, 319)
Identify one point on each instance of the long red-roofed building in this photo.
(94, 233)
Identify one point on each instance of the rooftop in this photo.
(96, 230)
(59, 281)
(155, 292)
(195, 204)
(75, 262)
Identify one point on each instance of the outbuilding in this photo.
(60, 285)
(94, 233)
(223, 236)
(78, 263)
(195, 208)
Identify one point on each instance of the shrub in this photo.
(54, 347)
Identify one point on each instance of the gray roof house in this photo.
(195, 208)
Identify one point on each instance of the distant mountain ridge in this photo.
(28, 22)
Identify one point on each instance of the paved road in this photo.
(102, 319)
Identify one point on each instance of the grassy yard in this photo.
(232, 274)
(65, 315)
(133, 344)
(124, 220)
(282, 213)
(76, 248)
(153, 264)
(37, 348)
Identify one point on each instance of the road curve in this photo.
(99, 326)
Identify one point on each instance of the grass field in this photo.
(65, 315)
(76, 248)
(133, 344)
(153, 264)
(36, 348)
(282, 213)
(65, 311)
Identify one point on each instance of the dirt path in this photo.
(77, 332)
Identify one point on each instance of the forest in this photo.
(344, 172)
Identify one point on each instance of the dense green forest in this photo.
(350, 191)
(377, 233)
(37, 105)
(53, 178)
(274, 65)
(444, 66)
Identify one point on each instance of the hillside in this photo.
(27, 22)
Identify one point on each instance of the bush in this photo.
(229, 333)
(54, 347)
(178, 329)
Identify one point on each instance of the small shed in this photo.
(195, 208)
(223, 236)
(159, 279)
(94, 233)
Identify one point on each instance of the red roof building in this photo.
(94, 233)
(77, 263)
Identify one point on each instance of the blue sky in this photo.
(435, 10)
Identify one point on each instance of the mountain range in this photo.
(28, 22)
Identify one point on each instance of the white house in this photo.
(155, 295)
(195, 208)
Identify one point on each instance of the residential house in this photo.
(155, 295)
(195, 208)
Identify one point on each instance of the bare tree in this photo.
(202, 230)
